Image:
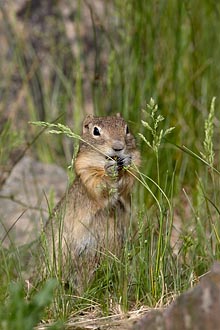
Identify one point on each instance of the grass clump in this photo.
(157, 136)
(208, 153)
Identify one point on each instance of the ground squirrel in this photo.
(94, 215)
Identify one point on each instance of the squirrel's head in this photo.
(110, 135)
(107, 150)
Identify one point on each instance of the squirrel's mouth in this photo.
(119, 161)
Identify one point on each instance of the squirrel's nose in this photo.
(118, 145)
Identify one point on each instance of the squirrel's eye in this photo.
(96, 131)
(127, 130)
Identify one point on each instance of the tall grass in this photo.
(165, 50)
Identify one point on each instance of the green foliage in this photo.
(157, 135)
(20, 314)
(209, 154)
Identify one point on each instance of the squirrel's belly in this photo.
(85, 245)
(100, 238)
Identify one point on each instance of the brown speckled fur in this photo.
(93, 217)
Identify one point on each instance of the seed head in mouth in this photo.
(119, 162)
(115, 158)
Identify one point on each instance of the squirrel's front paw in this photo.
(111, 168)
(124, 162)
(116, 164)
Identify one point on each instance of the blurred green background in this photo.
(67, 59)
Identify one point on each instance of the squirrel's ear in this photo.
(86, 123)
